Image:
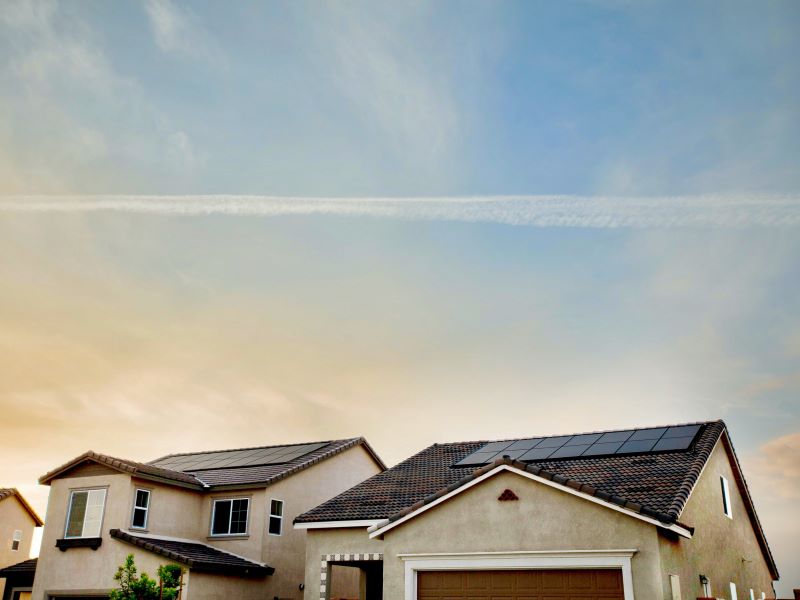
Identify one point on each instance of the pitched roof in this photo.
(124, 466)
(268, 474)
(207, 479)
(14, 493)
(656, 485)
(660, 483)
(26, 566)
(196, 555)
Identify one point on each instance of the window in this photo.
(229, 517)
(752, 594)
(141, 506)
(275, 517)
(726, 498)
(733, 592)
(16, 539)
(85, 514)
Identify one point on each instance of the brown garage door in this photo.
(550, 584)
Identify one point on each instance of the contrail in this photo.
(723, 211)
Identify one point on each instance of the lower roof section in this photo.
(199, 557)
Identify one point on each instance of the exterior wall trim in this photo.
(380, 529)
(337, 524)
(555, 559)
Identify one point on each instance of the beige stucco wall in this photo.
(14, 517)
(724, 550)
(181, 513)
(475, 521)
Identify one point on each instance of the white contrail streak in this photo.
(726, 211)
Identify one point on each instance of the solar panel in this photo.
(554, 442)
(675, 443)
(525, 444)
(682, 431)
(568, 451)
(603, 448)
(537, 454)
(629, 441)
(584, 439)
(238, 458)
(476, 459)
(635, 446)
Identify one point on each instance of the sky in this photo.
(416, 222)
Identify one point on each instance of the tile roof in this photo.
(196, 555)
(25, 567)
(658, 483)
(268, 474)
(14, 492)
(208, 479)
(125, 466)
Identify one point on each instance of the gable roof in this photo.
(655, 485)
(196, 555)
(27, 567)
(14, 493)
(123, 465)
(208, 479)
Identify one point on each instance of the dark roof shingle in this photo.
(24, 567)
(197, 556)
(658, 482)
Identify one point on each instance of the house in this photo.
(225, 516)
(651, 513)
(17, 523)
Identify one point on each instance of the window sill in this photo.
(233, 536)
(67, 543)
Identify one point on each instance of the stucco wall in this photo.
(724, 550)
(181, 513)
(14, 517)
(475, 521)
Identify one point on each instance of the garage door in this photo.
(551, 584)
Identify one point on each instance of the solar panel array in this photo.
(252, 457)
(587, 445)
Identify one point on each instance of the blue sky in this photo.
(648, 272)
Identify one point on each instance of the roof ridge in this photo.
(704, 447)
(576, 433)
(249, 448)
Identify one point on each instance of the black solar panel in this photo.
(238, 458)
(629, 441)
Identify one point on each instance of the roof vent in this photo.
(507, 495)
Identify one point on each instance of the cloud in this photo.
(396, 83)
(778, 461)
(539, 211)
(69, 98)
(177, 31)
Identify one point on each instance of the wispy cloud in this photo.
(177, 31)
(722, 211)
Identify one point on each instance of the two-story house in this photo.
(651, 513)
(225, 516)
(17, 523)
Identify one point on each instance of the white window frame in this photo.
(69, 513)
(707, 588)
(271, 516)
(230, 517)
(493, 561)
(752, 594)
(145, 508)
(16, 538)
(726, 497)
(734, 595)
